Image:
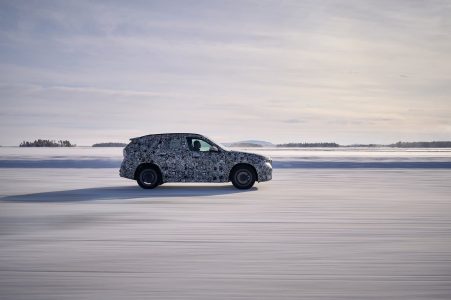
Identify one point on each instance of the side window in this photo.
(196, 144)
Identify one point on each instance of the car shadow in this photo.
(124, 192)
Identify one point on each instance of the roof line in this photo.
(169, 133)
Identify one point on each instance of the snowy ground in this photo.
(310, 233)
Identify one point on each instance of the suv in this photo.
(188, 157)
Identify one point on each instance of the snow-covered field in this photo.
(88, 157)
(332, 224)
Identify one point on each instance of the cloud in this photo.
(377, 71)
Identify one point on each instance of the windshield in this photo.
(218, 144)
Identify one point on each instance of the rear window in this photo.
(175, 143)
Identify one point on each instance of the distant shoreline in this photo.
(260, 144)
(434, 144)
(111, 144)
(256, 148)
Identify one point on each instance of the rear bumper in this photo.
(127, 171)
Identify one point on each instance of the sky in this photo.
(281, 71)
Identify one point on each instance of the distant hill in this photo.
(309, 145)
(364, 145)
(47, 143)
(109, 145)
(262, 143)
(250, 143)
(245, 145)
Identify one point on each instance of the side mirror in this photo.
(214, 149)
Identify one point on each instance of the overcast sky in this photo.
(343, 71)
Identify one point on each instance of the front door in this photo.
(202, 164)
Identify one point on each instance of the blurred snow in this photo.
(44, 153)
(283, 153)
(86, 233)
(89, 157)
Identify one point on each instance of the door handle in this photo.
(196, 155)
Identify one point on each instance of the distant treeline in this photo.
(109, 145)
(309, 145)
(436, 144)
(47, 143)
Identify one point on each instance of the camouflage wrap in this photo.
(171, 153)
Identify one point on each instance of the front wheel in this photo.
(243, 177)
(148, 178)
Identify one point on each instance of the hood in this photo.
(252, 155)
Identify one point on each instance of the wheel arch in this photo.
(146, 166)
(243, 164)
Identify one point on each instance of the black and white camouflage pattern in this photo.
(170, 152)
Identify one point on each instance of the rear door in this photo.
(172, 156)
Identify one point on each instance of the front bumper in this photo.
(264, 172)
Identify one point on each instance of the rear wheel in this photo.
(243, 177)
(148, 178)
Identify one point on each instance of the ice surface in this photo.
(79, 233)
(88, 157)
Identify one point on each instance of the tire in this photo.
(243, 177)
(148, 178)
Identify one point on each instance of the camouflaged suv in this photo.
(188, 157)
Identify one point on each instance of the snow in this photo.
(88, 157)
(310, 233)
